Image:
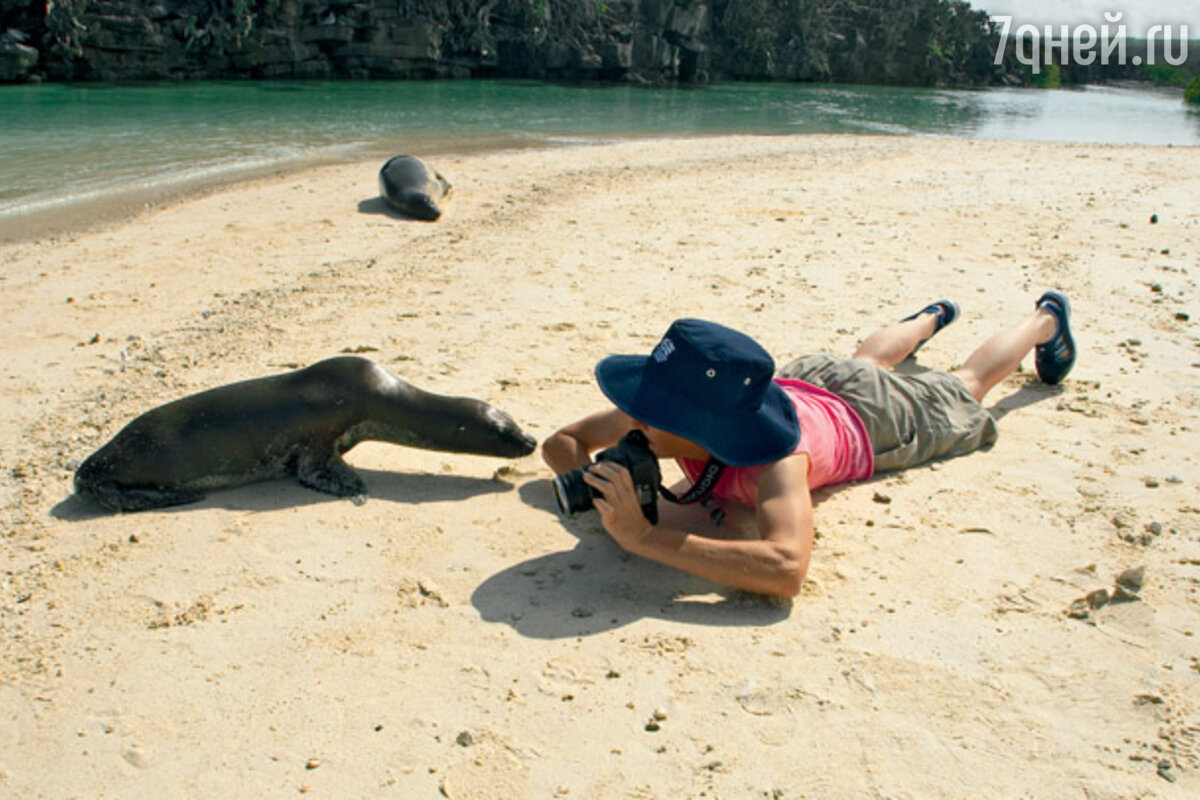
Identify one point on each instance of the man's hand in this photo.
(620, 512)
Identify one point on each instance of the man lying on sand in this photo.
(705, 396)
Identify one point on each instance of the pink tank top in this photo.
(831, 434)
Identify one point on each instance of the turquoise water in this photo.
(73, 150)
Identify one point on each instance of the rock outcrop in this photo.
(657, 42)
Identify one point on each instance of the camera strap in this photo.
(701, 488)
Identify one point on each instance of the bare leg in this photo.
(888, 346)
(999, 356)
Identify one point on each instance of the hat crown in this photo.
(710, 384)
(721, 368)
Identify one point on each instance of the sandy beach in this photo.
(453, 637)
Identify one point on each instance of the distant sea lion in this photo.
(297, 423)
(412, 187)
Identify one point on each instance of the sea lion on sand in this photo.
(298, 423)
(412, 187)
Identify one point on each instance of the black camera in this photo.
(632, 452)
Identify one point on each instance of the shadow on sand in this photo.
(393, 487)
(376, 205)
(597, 587)
(1027, 395)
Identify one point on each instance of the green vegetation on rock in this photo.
(1192, 92)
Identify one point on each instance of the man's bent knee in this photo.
(972, 382)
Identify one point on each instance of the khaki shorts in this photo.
(910, 419)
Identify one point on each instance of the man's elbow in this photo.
(792, 570)
(791, 584)
(548, 450)
(556, 452)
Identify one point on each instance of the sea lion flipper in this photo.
(330, 476)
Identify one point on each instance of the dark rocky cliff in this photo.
(658, 42)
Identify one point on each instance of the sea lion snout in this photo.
(515, 441)
(422, 208)
(526, 443)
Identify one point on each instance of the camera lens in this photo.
(571, 493)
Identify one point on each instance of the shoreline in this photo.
(101, 208)
(64, 188)
(454, 636)
(73, 216)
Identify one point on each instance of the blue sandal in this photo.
(1055, 358)
(946, 310)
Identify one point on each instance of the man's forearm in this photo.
(758, 566)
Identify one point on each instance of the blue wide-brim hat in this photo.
(709, 384)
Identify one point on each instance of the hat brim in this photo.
(740, 440)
